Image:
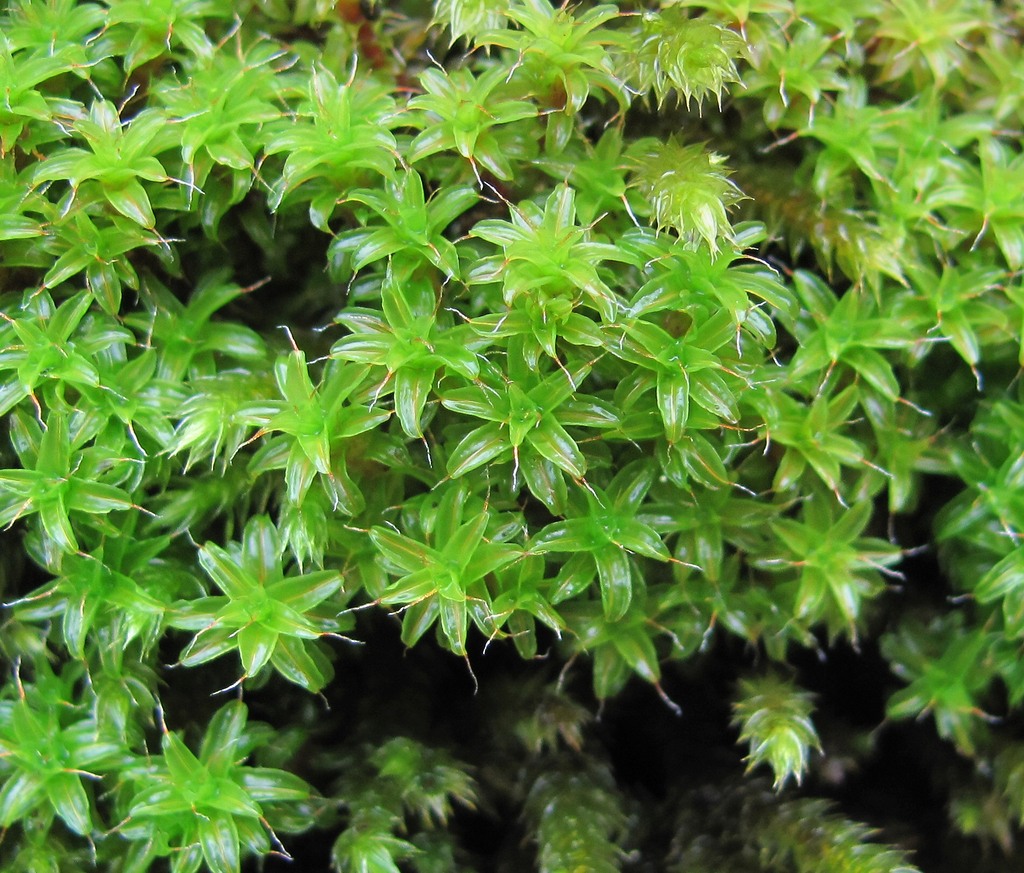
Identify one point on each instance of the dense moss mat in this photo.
(492, 435)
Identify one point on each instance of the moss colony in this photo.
(494, 436)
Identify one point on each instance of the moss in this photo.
(452, 437)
